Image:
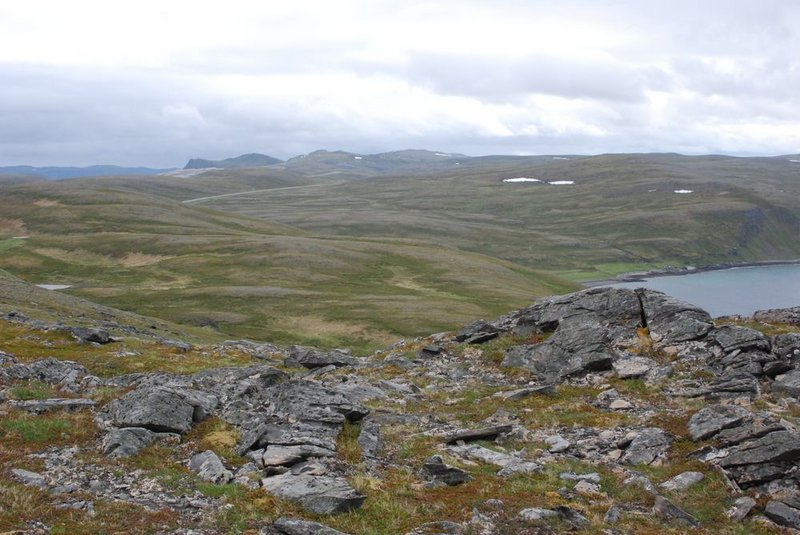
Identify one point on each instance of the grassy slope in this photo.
(243, 277)
(742, 209)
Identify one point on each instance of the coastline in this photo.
(642, 276)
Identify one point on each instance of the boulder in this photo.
(789, 316)
(682, 481)
(783, 514)
(632, 367)
(484, 433)
(311, 358)
(290, 455)
(209, 467)
(161, 408)
(673, 320)
(319, 494)
(437, 472)
(648, 445)
(774, 447)
(731, 338)
(86, 335)
(28, 478)
(668, 510)
(741, 508)
(709, 421)
(477, 333)
(129, 440)
(788, 384)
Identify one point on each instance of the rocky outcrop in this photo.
(788, 316)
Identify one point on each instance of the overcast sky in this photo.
(158, 82)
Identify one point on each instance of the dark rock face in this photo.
(674, 320)
(668, 510)
(731, 338)
(774, 447)
(783, 513)
(85, 335)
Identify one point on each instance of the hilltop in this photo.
(245, 160)
(600, 410)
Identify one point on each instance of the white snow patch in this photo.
(358, 157)
(521, 179)
(441, 154)
(54, 286)
(795, 161)
(683, 191)
(560, 158)
(20, 237)
(652, 190)
(561, 182)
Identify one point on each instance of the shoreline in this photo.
(642, 276)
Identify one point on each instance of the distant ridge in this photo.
(245, 160)
(59, 173)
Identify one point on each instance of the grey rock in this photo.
(485, 433)
(318, 494)
(85, 335)
(649, 444)
(673, 320)
(786, 345)
(613, 515)
(776, 367)
(709, 421)
(509, 464)
(161, 408)
(293, 526)
(533, 514)
(477, 333)
(638, 480)
(783, 514)
(209, 467)
(774, 447)
(750, 475)
(430, 351)
(666, 509)
(369, 437)
(311, 358)
(129, 440)
(630, 367)
(620, 405)
(592, 477)
(248, 475)
(788, 384)
(682, 481)
(557, 443)
(585, 487)
(28, 478)
(522, 393)
(730, 338)
(747, 431)
(436, 471)
(38, 406)
(288, 455)
(741, 508)
(572, 517)
(789, 316)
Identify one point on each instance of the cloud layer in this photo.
(155, 83)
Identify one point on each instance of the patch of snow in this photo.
(358, 157)
(20, 237)
(683, 191)
(54, 286)
(561, 182)
(440, 154)
(521, 179)
(652, 190)
(795, 161)
(560, 158)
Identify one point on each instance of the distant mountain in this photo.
(59, 173)
(245, 160)
(321, 162)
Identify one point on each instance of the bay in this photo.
(726, 292)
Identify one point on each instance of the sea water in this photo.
(727, 292)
